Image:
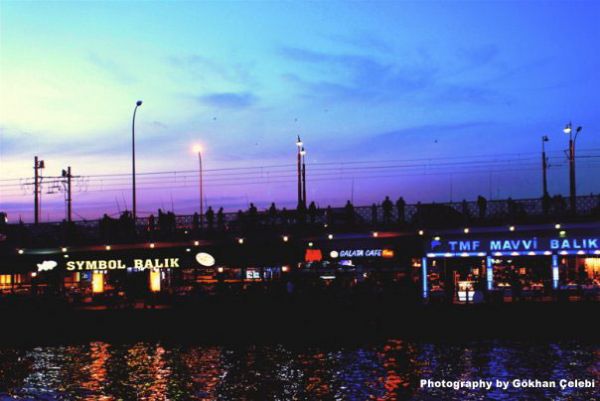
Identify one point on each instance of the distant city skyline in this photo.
(432, 101)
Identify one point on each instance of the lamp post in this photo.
(545, 195)
(299, 145)
(134, 206)
(544, 168)
(303, 154)
(572, 187)
(198, 149)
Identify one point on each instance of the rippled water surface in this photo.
(387, 371)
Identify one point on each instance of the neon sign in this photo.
(118, 264)
(528, 244)
(362, 253)
(46, 265)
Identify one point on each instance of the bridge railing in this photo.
(411, 215)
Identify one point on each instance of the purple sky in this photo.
(430, 101)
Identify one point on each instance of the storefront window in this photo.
(97, 282)
(155, 280)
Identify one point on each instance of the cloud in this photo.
(479, 55)
(363, 40)
(113, 69)
(466, 94)
(357, 77)
(205, 68)
(11, 138)
(431, 130)
(229, 100)
(159, 124)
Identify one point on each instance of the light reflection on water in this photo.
(387, 371)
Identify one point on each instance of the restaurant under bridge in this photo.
(543, 262)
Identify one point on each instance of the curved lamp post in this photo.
(134, 206)
(198, 149)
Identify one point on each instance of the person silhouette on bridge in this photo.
(482, 205)
(387, 210)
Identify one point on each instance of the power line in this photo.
(344, 164)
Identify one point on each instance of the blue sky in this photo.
(428, 85)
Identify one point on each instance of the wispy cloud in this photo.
(205, 68)
(230, 100)
(479, 55)
(466, 94)
(357, 77)
(421, 139)
(117, 72)
(361, 41)
(432, 130)
(159, 124)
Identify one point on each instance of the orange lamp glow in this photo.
(155, 281)
(97, 283)
(387, 253)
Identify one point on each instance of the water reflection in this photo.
(389, 371)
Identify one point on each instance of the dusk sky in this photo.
(432, 101)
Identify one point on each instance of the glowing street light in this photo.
(299, 157)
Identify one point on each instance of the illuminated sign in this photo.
(46, 265)
(362, 253)
(205, 259)
(514, 244)
(387, 253)
(313, 255)
(583, 243)
(252, 274)
(118, 264)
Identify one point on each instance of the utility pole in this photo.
(67, 174)
(37, 191)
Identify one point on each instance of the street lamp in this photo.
(299, 145)
(303, 154)
(198, 149)
(544, 168)
(134, 206)
(572, 188)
